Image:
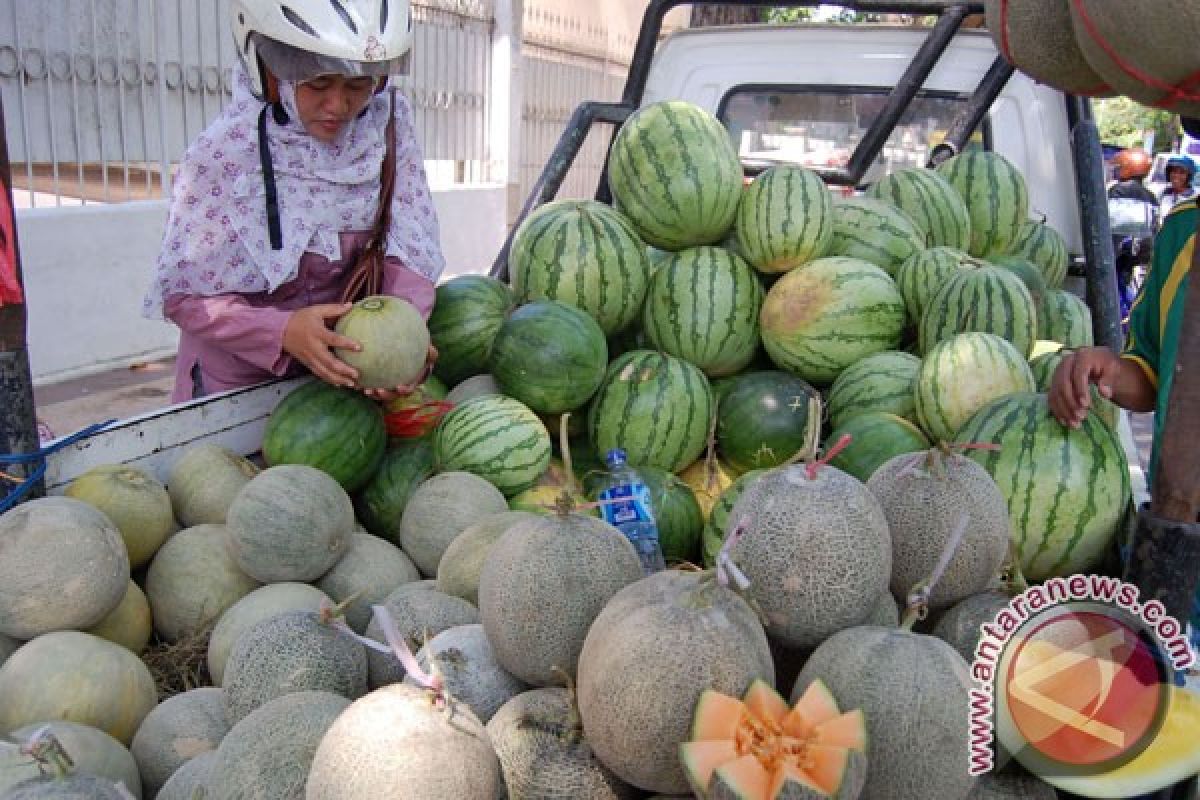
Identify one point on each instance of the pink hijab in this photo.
(216, 239)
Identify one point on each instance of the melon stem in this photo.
(574, 732)
(328, 613)
(918, 599)
(49, 754)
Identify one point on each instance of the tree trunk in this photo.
(704, 16)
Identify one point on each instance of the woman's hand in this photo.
(388, 395)
(308, 338)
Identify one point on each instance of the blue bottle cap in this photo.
(615, 457)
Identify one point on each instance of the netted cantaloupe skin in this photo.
(463, 658)
(816, 550)
(649, 655)
(204, 481)
(458, 571)
(192, 581)
(1012, 783)
(439, 510)
(420, 613)
(136, 503)
(1038, 38)
(958, 626)
(63, 566)
(543, 584)
(369, 571)
(885, 612)
(262, 603)
(192, 777)
(543, 753)
(291, 652)
(91, 750)
(913, 691)
(179, 729)
(130, 624)
(77, 786)
(267, 755)
(924, 505)
(397, 742)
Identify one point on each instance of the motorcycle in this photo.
(1133, 223)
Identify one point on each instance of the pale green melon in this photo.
(136, 503)
(475, 386)
(396, 742)
(129, 624)
(8, 646)
(884, 613)
(63, 566)
(179, 729)
(204, 481)
(192, 580)
(439, 510)
(92, 750)
(261, 604)
(458, 571)
(463, 658)
(371, 569)
(76, 677)
(267, 755)
(420, 613)
(76, 786)
(960, 625)
(189, 779)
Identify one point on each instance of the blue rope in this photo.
(39, 457)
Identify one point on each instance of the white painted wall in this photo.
(86, 269)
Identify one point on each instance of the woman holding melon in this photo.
(311, 167)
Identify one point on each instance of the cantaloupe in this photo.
(442, 508)
(267, 755)
(539, 740)
(189, 779)
(458, 571)
(371, 569)
(192, 580)
(925, 498)
(462, 657)
(93, 752)
(74, 786)
(8, 646)
(543, 584)
(1037, 38)
(913, 690)
(398, 742)
(204, 481)
(129, 624)
(136, 503)
(393, 339)
(817, 551)
(63, 565)
(1013, 783)
(76, 677)
(261, 604)
(885, 612)
(420, 613)
(291, 652)
(179, 729)
(290, 523)
(649, 655)
(959, 625)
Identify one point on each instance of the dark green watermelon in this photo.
(380, 504)
(466, 316)
(676, 513)
(763, 419)
(876, 437)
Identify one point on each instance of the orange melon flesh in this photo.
(746, 777)
(717, 716)
(701, 759)
(765, 703)
(815, 706)
(847, 730)
(826, 766)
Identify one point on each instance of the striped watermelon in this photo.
(764, 419)
(1043, 367)
(718, 518)
(875, 438)
(785, 219)
(467, 313)
(380, 504)
(1029, 274)
(584, 254)
(1067, 488)
(996, 197)
(674, 172)
(1042, 245)
(928, 199)
(820, 319)
(656, 407)
(875, 232)
(497, 438)
(1065, 318)
(985, 299)
(677, 515)
(921, 276)
(550, 356)
(703, 307)
(961, 375)
(883, 382)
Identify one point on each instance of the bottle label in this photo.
(626, 503)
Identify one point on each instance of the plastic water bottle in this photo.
(625, 504)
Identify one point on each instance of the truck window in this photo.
(819, 126)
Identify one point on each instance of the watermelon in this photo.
(718, 519)
(584, 254)
(820, 319)
(875, 232)
(467, 313)
(550, 356)
(339, 431)
(920, 278)
(703, 307)
(1067, 488)
(785, 219)
(1042, 245)
(497, 438)
(985, 299)
(881, 382)
(1043, 367)
(655, 407)
(674, 172)
(996, 197)
(1029, 274)
(764, 419)
(875, 438)
(676, 513)
(380, 504)
(1065, 318)
(928, 199)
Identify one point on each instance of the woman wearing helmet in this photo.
(276, 199)
(1133, 165)
(1180, 171)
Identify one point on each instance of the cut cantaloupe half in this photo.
(757, 748)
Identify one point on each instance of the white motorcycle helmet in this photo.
(298, 40)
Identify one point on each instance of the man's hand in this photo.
(308, 338)
(1070, 394)
(388, 395)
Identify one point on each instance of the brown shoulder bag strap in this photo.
(367, 275)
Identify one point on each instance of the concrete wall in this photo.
(86, 269)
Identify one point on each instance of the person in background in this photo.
(1180, 172)
(277, 197)
(1133, 165)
